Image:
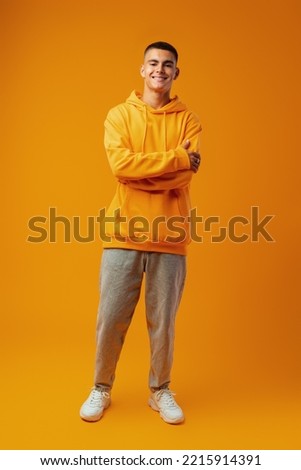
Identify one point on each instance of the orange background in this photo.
(237, 360)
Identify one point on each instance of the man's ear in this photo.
(177, 73)
(142, 71)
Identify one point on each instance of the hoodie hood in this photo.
(174, 105)
(149, 113)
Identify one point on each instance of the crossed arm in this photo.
(156, 170)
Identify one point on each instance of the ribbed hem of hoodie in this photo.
(172, 248)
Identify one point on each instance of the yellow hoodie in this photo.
(151, 205)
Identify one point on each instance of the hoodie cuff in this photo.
(183, 159)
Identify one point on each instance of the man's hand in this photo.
(195, 158)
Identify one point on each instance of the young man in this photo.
(152, 144)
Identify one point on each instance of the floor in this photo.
(41, 396)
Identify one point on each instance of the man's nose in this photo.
(159, 68)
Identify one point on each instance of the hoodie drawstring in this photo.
(165, 132)
(145, 128)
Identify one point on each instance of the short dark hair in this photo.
(162, 45)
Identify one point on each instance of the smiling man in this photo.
(152, 144)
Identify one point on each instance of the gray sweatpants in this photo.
(120, 284)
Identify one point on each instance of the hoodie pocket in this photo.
(184, 203)
(160, 216)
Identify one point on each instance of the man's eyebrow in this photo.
(168, 61)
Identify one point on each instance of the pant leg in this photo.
(120, 283)
(165, 278)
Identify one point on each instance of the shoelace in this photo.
(166, 397)
(97, 396)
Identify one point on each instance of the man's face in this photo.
(159, 70)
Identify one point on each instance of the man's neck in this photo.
(154, 99)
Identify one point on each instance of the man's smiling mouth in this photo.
(159, 78)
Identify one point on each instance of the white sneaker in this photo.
(163, 401)
(93, 408)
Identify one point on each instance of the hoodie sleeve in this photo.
(128, 165)
(177, 179)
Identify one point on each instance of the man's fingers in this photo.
(194, 161)
(195, 155)
(186, 144)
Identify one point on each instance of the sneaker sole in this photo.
(93, 419)
(154, 407)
